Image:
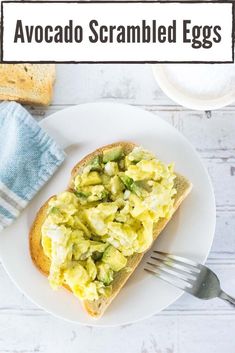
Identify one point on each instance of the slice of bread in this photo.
(27, 83)
(96, 308)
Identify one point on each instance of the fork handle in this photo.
(227, 298)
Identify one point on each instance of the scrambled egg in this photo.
(88, 234)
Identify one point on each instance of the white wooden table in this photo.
(187, 326)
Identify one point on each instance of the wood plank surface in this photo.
(187, 326)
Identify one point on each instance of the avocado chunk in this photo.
(114, 258)
(113, 154)
(131, 185)
(82, 195)
(116, 186)
(104, 273)
(96, 256)
(143, 184)
(55, 210)
(93, 178)
(127, 181)
(95, 164)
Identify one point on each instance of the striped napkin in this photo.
(28, 158)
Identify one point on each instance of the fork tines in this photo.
(176, 270)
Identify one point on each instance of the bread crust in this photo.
(97, 308)
(27, 83)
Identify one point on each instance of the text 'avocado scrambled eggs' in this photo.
(89, 232)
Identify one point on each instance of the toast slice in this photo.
(96, 308)
(27, 83)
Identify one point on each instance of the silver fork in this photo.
(187, 275)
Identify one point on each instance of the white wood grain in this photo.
(187, 326)
(162, 334)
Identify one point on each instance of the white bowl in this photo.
(187, 92)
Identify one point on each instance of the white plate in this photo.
(190, 98)
(190, 233)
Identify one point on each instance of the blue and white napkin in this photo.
(28, 158)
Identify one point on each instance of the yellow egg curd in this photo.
(90, 232)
